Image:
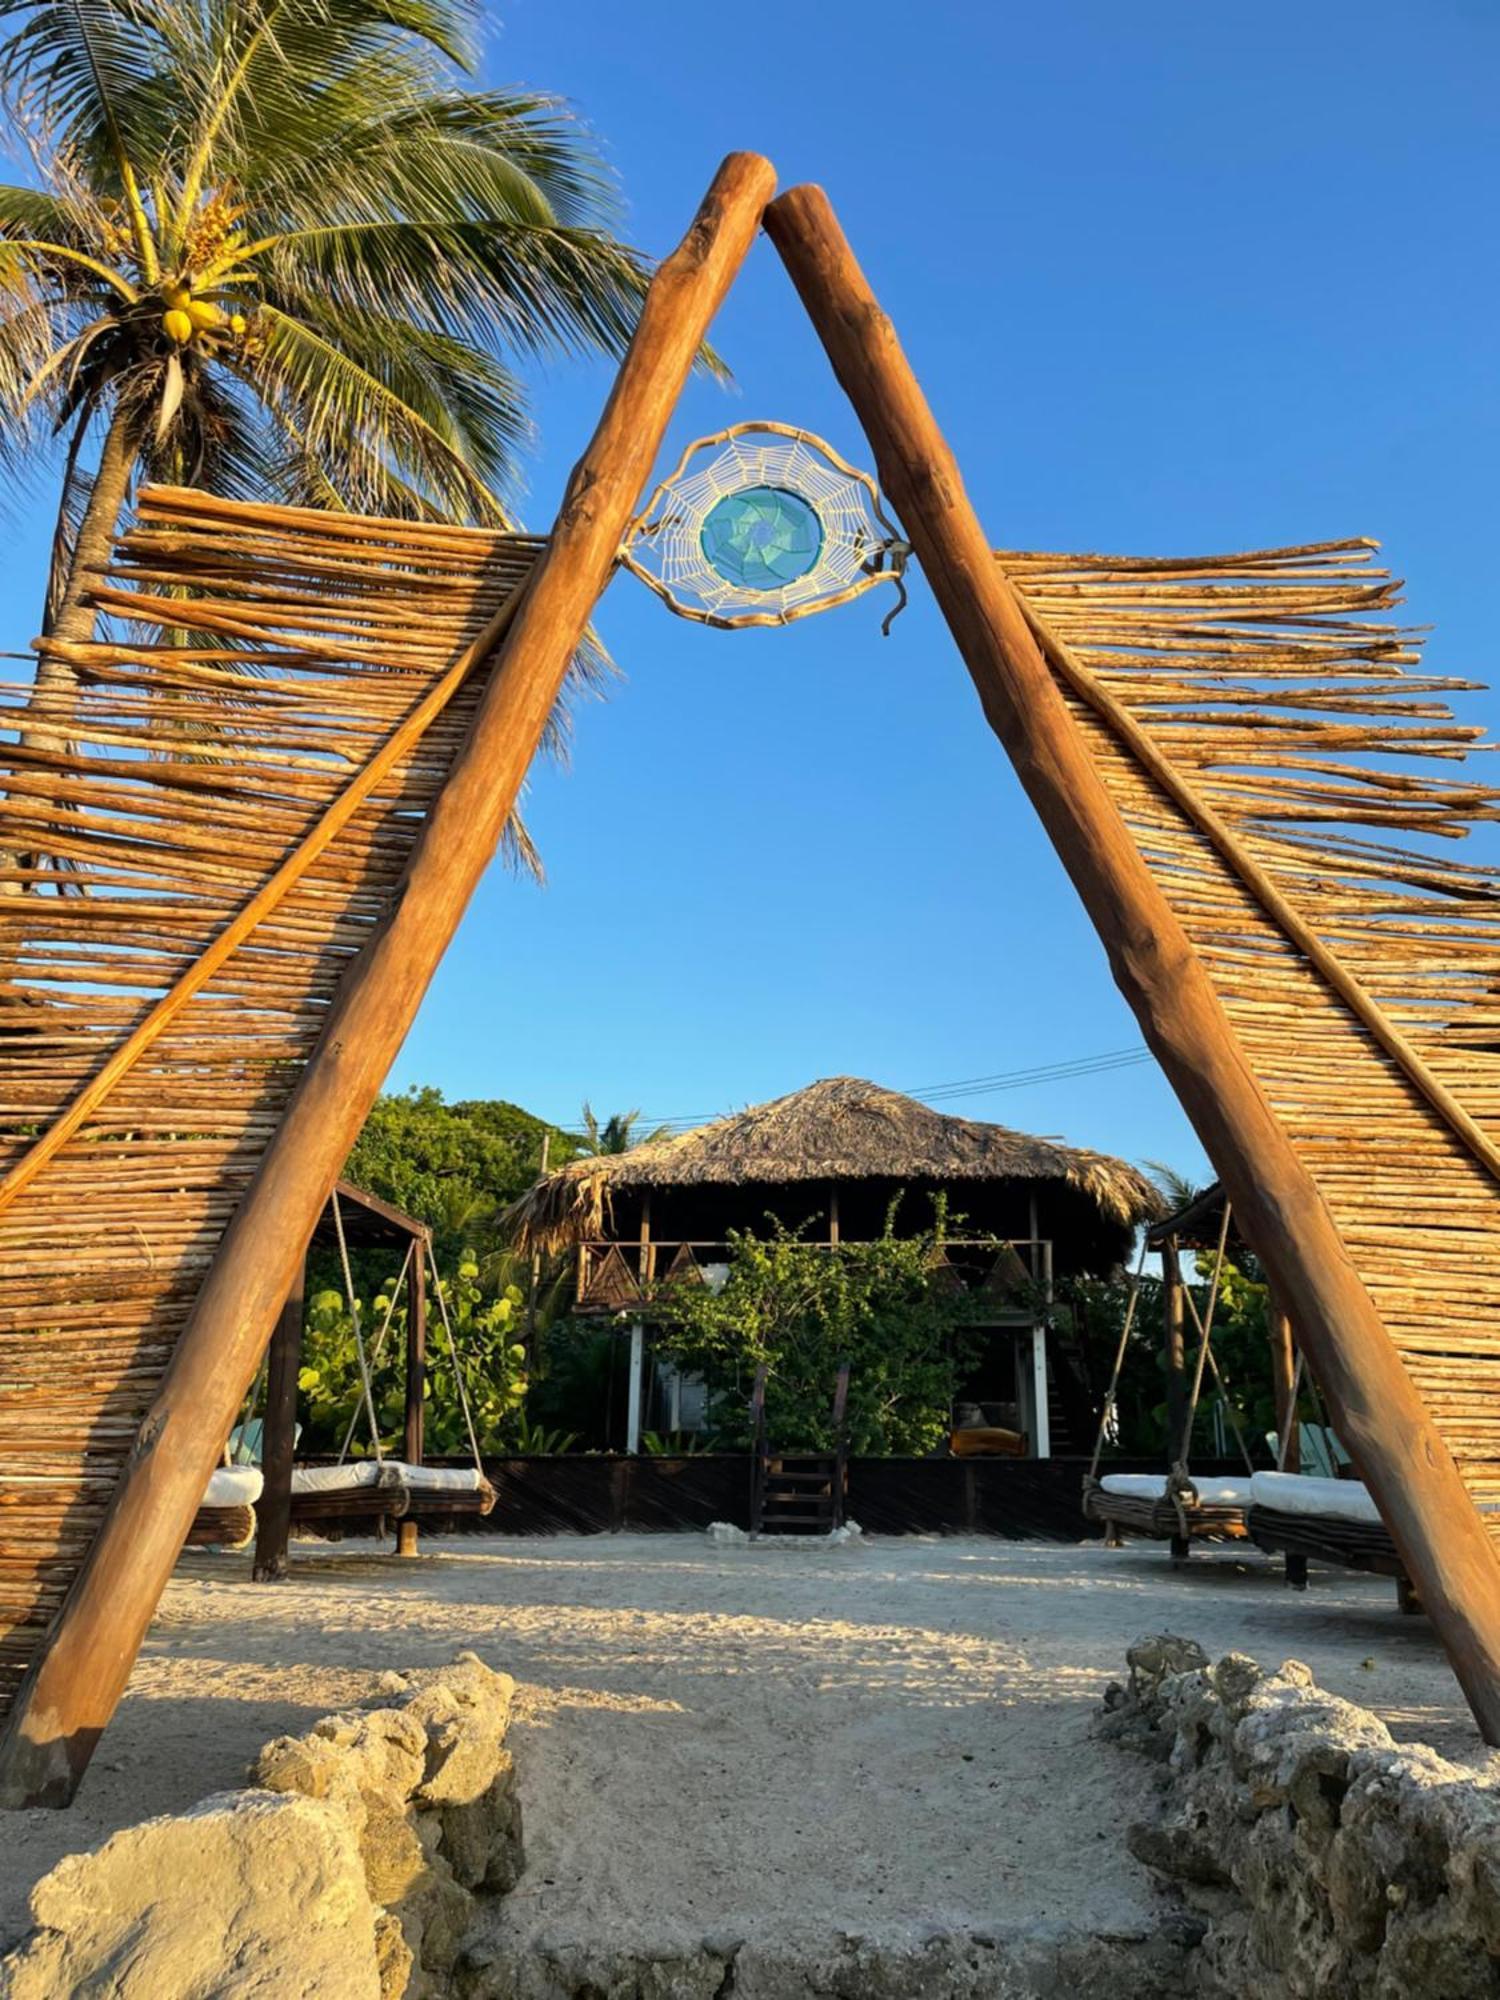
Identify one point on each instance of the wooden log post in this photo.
(1410, 1471)
(278, 1437)
(1174, 1349)
(78, 1675)
(416, 1378)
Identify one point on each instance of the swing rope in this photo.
(1204, 1324)
(359, 1340)
(1109, 1411)
(458, 1373)
(377, 1349)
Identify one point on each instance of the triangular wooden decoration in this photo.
(684, 1268)
(1007, 1277)
(943, 1274)
(612, 1285)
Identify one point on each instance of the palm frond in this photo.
(495, 284)
(488, 154)
(361, 428)
(94, 70)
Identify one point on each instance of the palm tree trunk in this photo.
(74, 618)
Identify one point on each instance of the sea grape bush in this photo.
(802, 1308)
(486, 1322)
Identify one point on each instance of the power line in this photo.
(1064, 1071)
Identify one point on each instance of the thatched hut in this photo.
(830, 1161)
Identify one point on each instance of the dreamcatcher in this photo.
(761, 524)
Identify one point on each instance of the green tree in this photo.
(279, 248)
(802, 1309)
(452, 1165)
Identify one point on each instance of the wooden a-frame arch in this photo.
(81, 1667)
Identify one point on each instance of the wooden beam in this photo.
(1409, 1468)
(278, 1437)
(80, 1671)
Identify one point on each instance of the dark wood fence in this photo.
(1018, 1499)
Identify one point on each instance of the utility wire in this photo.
(947, 1093)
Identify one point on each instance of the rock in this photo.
(392, 1854)
(1158, 1657)
(351, 1872)
(482, 1838)
(393, 1958)
(249, 1894)
(1326, 1858)
(465, 1716)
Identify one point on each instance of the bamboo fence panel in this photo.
(1288, 775)
(257, 660)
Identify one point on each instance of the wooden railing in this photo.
(617, 1276)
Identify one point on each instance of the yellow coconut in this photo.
(177, 297)
(179, 325)
(237, 322)
(204, 315)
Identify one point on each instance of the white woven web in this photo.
(670, 541)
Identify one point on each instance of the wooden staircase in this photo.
(798, 1492)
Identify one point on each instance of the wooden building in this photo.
(829, 1161)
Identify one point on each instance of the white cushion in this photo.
(389, 1473)
(347, 1478)
(1153, 1486)
(440, 1478)
(233, 1486)
(1333, 1499)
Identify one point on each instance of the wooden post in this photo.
(1174, 1349)
(278, 1437)
(416, 1378)
(1410, 1471)
(78, 1675)
(1041, 1432)
(1283, 1375)
(634, 1387)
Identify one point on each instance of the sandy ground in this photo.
(736, 1740)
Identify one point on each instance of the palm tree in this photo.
(274, 247)
(616, 1134)
(1177, 1189)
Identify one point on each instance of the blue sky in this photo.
(1175, 278)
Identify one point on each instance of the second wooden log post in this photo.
(80, 1671)
(1410, 1471)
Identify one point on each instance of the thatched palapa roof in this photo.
(841, 1129)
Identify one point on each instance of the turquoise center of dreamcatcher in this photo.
(762, 538)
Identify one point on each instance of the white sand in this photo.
(742, 1740)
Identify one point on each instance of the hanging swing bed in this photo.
(226, 1518)
(1176, 1507)
(374, 1489)
(1306, 1518)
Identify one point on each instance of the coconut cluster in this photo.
(185, 317)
